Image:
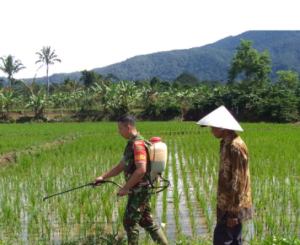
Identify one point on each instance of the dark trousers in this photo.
(224, 235)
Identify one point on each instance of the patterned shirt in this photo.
(234, 192)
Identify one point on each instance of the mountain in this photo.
(209, 62)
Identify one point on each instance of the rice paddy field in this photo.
(186, 210)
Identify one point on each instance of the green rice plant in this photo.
(77, 213)
(47, 227)
(63, 212)
(194, 163)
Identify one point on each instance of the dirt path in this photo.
(11, 157)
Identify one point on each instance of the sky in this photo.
(96, 33)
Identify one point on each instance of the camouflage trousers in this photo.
(138, 212)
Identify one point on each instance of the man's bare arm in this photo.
(138, 174)
(116, 170)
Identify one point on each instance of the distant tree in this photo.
(70, 85)
(47, 58)
(38, 87)
(67, 81)
(154, 81)
(187, 86)
(111, 77)
(176, 85)
(216, 83)
(138, 84)
(53, 88)
(185, 78)
(205, 83)
(1, 83)
(165, 85)
(255, 67)
(288, 79)
(64, 88)
(10, 67)
(16, 82)
(90, 77)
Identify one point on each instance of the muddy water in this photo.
(184, 218)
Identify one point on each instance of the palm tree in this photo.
(10, 66)
(47, 57)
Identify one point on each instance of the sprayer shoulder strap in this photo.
(147, 146)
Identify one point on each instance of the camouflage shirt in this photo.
(136, 152)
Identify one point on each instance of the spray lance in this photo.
(108, 181)
(89, 184)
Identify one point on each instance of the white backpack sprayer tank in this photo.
(158, 158)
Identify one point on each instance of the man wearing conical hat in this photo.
(234, 205)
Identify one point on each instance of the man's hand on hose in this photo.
(97, 180)
(231, 222)
(123, 192)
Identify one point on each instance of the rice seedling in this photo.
(192, 167)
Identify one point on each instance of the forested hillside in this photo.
(210, 62)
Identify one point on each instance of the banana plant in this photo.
(75, 99)
(147, 94)
(86, 98)
(105, 94)
(184, 98)
(38, 101)
(8, 99)
(127, 96)
(60, 99)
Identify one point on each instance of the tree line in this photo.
(248, 93)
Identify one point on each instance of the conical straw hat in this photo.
(221, 118)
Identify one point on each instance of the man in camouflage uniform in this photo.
(136, 166)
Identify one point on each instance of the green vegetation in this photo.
(15, 143)
(249, 95)
(94, 215)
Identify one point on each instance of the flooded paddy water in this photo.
(187, 208)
